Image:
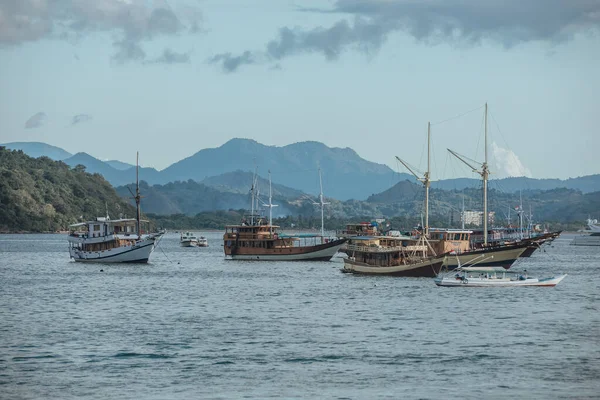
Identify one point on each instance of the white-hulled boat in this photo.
(111, 241)
(188, 239)
(593, 225)
(202, 241)
(493, 277)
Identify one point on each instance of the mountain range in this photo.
(38, 194)
(294, 167)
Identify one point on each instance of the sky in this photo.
(169, 78)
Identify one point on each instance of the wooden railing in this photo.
(379, 249)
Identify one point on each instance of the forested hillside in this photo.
(39, 194)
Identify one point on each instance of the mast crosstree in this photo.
(484, 172)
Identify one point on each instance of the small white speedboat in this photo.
(188, 239)
(480, 277)
(202, 242)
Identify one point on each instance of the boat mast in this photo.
(484, 175)
(425, 179)
(322, 204)
(137, 194)
(270, 205)
(521, 214)
(462, 218)
(253, 193)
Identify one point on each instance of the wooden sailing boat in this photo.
(111, 241)
(258, 239)
(500, 255)
(396, 255)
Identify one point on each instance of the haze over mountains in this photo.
(294, 170)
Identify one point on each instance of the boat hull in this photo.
(429, 268)
(322, 252)
(188, 243)
(494, 257)
(498, 282)
(137, 253)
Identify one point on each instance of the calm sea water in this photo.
(193, 325)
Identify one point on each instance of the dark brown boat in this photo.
(263, 242)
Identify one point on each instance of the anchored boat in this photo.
(112, 241)
(493, 277)
(257, 239)
(188, 239)
(391, 255)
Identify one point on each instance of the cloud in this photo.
(507, 163)
(132, 22)
(171, 57)
(368, 23)
(36, 120)
(79, 118)
(231, 63)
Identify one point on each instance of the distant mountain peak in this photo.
(239, 141)
(39, 149)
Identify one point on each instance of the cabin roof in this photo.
(251, 226)
(482, 269)
(380, 237)
(438, 230)
(123, 221)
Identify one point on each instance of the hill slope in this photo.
(241, 181)
(39, 194)
(38, 149)
(116, 176)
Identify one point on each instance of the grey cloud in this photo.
(171, 57)
(506, 21)
(128, 50)
(329, 41)
(79, 118)
(132, 21)
(35, 121)
(368, 23)
(231, 63)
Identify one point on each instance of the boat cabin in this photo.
(103, 227)
(103, 234)
(360, 229)
(255, 236)
(450, 240)
(385, 251)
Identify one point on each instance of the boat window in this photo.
(96, 227)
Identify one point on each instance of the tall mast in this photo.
(137, 194)
(425, 179)
(270, 205)
(253, 193)
(530, 225)
(463, 211)
(322, 203)
(484, 174)
(521, 214)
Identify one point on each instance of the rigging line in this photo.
(443, 175)
(482, 128)
(458, 116)
(499, 131)
(434, 160)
